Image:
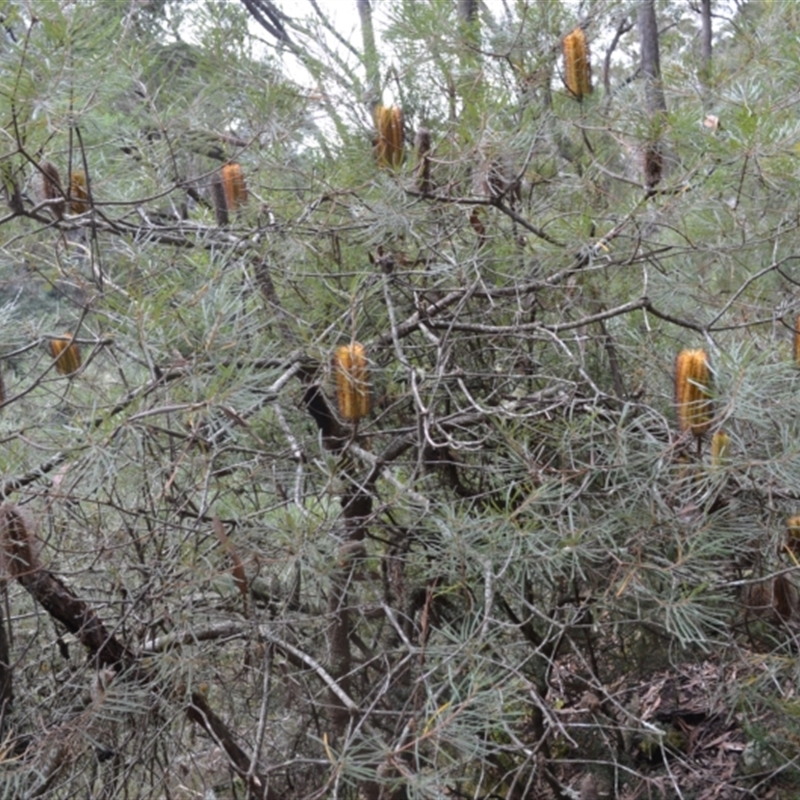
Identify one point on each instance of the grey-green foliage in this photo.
(519, 524)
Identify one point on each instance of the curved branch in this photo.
(269, 18)
(18, 545)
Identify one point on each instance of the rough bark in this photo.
(655, 101)
(220, 203)
(371, 62)
(651, 67)
(705, 41)
(469, 28)
(356, 509)
(467, 10)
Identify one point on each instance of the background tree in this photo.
(524, 572)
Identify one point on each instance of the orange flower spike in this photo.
(66, 353)
(235, 186)
(352, 381)
(577, 69)
(692, 391)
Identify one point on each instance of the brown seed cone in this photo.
(352, 381)
(423, 144)
(774, 600)
(389, 145)
(51, 187)
(793, 535)
(235, 186)
(218, 198)
(653, 165)
(67, 354)
(797, 341)
(692, 395)
(785, 597)
(577, 69)
(79, 196)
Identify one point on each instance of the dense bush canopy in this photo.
(340, 452)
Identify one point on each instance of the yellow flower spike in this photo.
(389, 142)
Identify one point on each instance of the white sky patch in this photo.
(343, 16)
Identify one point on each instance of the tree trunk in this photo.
(469, 29)
(651, 67)
(356, 509)
(371, 63)
(467, 10)
(655, 102)
(469, 81)
(705, 42)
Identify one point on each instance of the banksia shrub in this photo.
(66, 353)
(577, 70)
(79, 196)
(352, 381)
(692, 395)
(389, 143)
(51, 187)
(235, 187)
